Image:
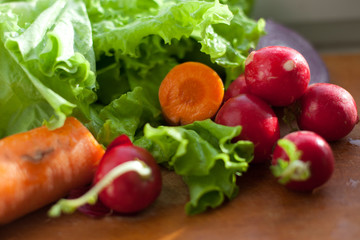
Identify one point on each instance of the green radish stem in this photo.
(294, 169)
(70, 205)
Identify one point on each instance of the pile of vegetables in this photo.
(275, 76)
(147, 78)
(103, 62)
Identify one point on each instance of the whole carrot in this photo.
(40, 166)
(190, 92)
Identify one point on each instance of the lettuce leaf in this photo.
(48, 64)
(203, 154)
(120, 29)
(125, 115)
(112, 31)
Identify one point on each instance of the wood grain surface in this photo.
(262, 210)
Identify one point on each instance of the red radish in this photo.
(237, 87)
(303, 161)
(127, 180)
(277, 74)
(259, 123)
(328, 110)
(129, 192)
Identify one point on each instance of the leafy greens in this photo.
(45, 74)
(202, 153)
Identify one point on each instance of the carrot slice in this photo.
(190, 92)
(40, 166)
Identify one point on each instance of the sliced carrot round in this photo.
(190, 92)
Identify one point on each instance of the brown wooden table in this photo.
(262, 210)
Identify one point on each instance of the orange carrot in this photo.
(190, 92)
(40, 166)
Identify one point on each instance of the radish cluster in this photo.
(278, 76)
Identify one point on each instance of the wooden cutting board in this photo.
(262, 210)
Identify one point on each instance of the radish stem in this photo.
(90, 197)
(297, 170)
(294, 169)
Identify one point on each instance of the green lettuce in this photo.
(224, 35)
(48, 64)
(122, 26)
(115, 119)
(203, 154)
